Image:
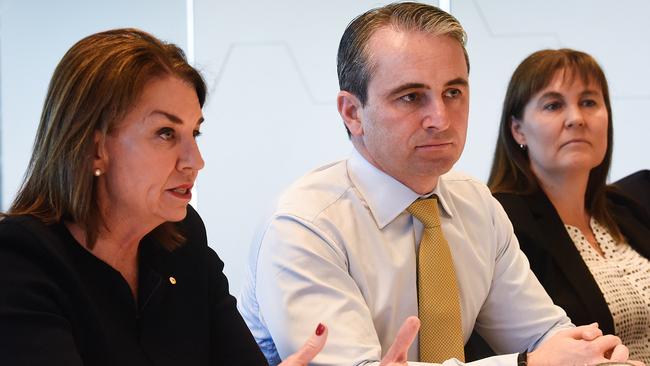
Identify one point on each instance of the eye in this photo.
(166, 133)
(453, 93)
(197, 133)
(410, 97)
(552, 106)
(588, 103)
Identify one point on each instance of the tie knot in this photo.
(426, 210)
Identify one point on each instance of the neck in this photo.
(421, 184)
(117, 247)
(567, 194)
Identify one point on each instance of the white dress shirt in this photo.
(340, 249)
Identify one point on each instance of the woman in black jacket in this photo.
(102, 260)
(587, 243)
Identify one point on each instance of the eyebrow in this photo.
(588, 92)
(174, 118)
(551, 94)
(407, 86)
(457, 81)
(554, 94)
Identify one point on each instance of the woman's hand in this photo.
(396, 355)
(309, 350)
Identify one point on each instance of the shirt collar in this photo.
(386, 197)
(441, 192)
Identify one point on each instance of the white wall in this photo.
(271, 70)
(34, 35)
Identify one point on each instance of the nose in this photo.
(435, 116)
(574, 117)
(190, 157)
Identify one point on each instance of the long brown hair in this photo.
(511, 172)
(94, 86)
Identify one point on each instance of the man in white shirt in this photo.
(341, 246)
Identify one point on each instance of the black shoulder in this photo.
(621, 204)
(636, 187)
(25, 230)
(515, 205)
(41, 244)
(636, 181)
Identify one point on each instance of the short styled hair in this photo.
(96, 83)
(511, 172)
(354, 62)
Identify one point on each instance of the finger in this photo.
(405, 336)
(606, 344)
(620, 353)
(591, 332)
(579, 332)
(310, 349)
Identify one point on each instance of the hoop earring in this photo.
(97, 172)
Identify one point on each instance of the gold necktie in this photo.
(441, 334)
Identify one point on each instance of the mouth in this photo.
(434, 146)
(183, 191)
(575, 141)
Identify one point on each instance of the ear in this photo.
(350, 110)
(100, 156)
(515, 130)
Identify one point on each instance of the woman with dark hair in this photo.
(587, 243)
(102, 260)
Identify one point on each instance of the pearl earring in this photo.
(98, 172)
(522, 146)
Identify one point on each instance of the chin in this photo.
(175, 215)
(438, 167)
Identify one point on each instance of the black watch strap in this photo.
(522, 359)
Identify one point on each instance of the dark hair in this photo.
(96, 83)
(511, 172)
(354, 64)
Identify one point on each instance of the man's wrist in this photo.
(522, 359)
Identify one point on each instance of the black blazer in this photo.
(62, 306)
(555, 260)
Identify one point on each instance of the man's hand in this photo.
(398, 353)
(309, 350)
(584, 345)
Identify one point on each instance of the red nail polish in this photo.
(320, 329)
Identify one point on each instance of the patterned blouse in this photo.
(623, 276)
